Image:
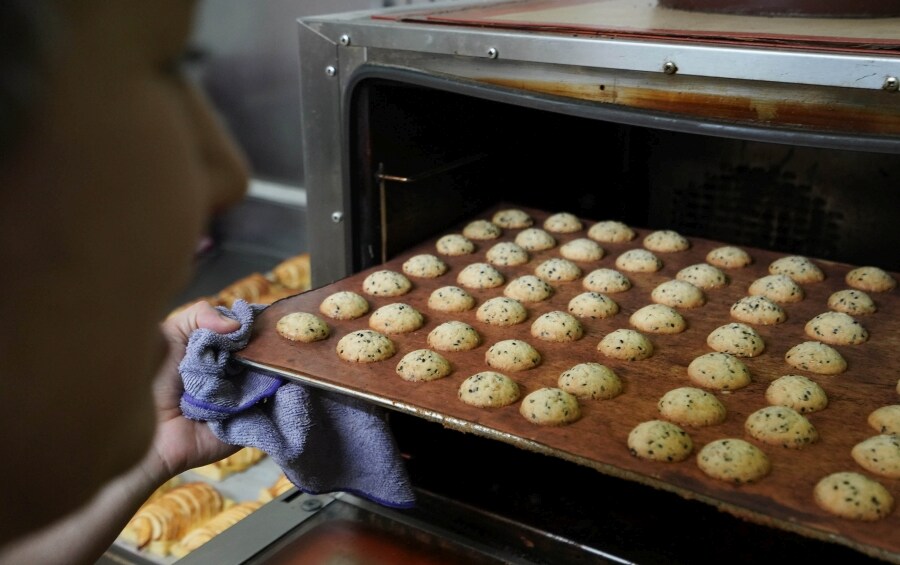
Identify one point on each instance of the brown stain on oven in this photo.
(824, 115)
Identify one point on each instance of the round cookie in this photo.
(482, 230)
(639, 261)
(606, 280)
(386, 283)
(852, 301)
(550, 407)
(302, 326)
(454, 336)
(836, 328)
(512, 355)
(557, 269)
(593, 305)
(365, 346)
(737, 339)
(506, 254)
(658, 440)
(728, 257)
(871, 279)
(798, 392)
(582, 249)
(666, 241)
(562, 222)
(718, 371)
(703, 276)
(780, 425)
(611, 231)
(454, 244)
(528, 288)
(450, 299)
(512, 218)
(423, 365)
(658, 319)
(501, 311)
(799, 268)
(733, 460)
(590, 380)
(488, 389)
(816, 357)
(557, 326)
(690, 406)
(886, 420)
(480, 275)
(626, 345)
(396, 318)
(879, 455)
(344, 305)
(425, 266)
(758, 310)
(678, 294)
(854, 496)
(777, 288)
(535, 239)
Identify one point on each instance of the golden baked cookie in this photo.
(798, 392)
(737, 339)
(451, 299)
(658, 319)
(872, 279)
(879, 455)
(718, 371)
(535, 239)
(423, 365)
(799, 268)
(639, 261)
(666, 241)
(396, 318)
(816, 357)
(678, 294)
(454, 336)
(562, 222)
(590, 380)
(480, 275)
(454, 244)
(886, 419)
(728, 257)
(854, 496)
(488, 389)
(507, 254)
(608, 281)
(592, 305)
(659, 440)
(344, 305)
(733, 460)
(780, 425)
(758, 310)
(501, 311)
(512, 218)
(582, 249)
(424, 265)
(852, 301)
(557, 326)
(550, 406)
(528, 288)
(836, 328)
(702, 275)
(512, 355)
(626, 345)
(302, 326)
(777, 288)
(365, 346)
(386, 283)
(482, 230)
(691, 406)
(611, 231)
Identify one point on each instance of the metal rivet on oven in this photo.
(891, 84)
(330, 70)
(311, 504)
(670, 68)
(493, 52)
(344, 39)
(336, 217)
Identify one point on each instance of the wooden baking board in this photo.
(598, 439)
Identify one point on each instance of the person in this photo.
(111, 165)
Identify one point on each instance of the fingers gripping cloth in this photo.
(323, 441)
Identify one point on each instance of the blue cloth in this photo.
(323, 441)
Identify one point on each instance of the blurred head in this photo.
(110, 167)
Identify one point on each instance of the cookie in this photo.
(396, 318)
(852, 301)
(423, 365)
(702, 275)
(879, 455)
(488, 389)
(562, 222)
(454, 244)
(690, 406)
(733, 460)
(728, 257)
(658, 440)
(666, 241)
(344, 305)
(870, 279)
(626, 345)
(558, 270)
(450, 299)
(886, 420)
(608, 281)
(799, 268)
(611, 231)
(593, 305)
(798, 392)
(302, 326)
(639, 261)
(506, 254)
(528, 288)
(454, 336)
(512, 355)
(758, 310)
(853, 495)
(512, 218)
(557, 326)
(550, 407)
(480, 275)
(781, 289)
(590, 381)
(816, 357)
(582, 249)
(535, 239)
(718, 371)
(501, 311)
(780, 425)
(737, 339)
(658, 319)
(365, 346)
(425, 266)
(678, 294)
(836, 328)
(386, 283)
(482, 230)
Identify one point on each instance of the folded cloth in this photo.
(323, 441)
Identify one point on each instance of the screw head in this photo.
(337, 216)
(670, 68)
(330, 70)
(891, 84)
(344, 39)
(311, 504)
(493, 53)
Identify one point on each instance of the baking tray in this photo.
(783, 499)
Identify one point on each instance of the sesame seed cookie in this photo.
(344, 305)
(590, 380)
(733, 460)
(879, 454)
(658, 319)
(593, 305)
(507, 254)
(454, 244)
(482, 230)
(690, 406)
(550, 406)
(758, 310)
(512, 218)
(728, 257)
(611, 231)
(871, 279)
(798, 392)
(666, 241)
(386, 283)
(512, 355)
(800, 269)
(451, 299)
(886, 420)
(488, 389)
(396, 318)
(626, 345)
(557, 326)
(425, 266)
(836, 328)
(816, 357)
(780, 425)
(557, 269)
(737, 339)
(562, 222)
(582, 249)
(777, 288)
(853, 495)
(678, 294)
(535, 239)
(480, 275)
(454, 336)
(365, 346)
(302, 326)
(608, 281)
(501, 311)
(658, 440)
(639, 261)
(718, 371)
(423, 365)
(852, 301)
(528, 288)
(703, 276)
